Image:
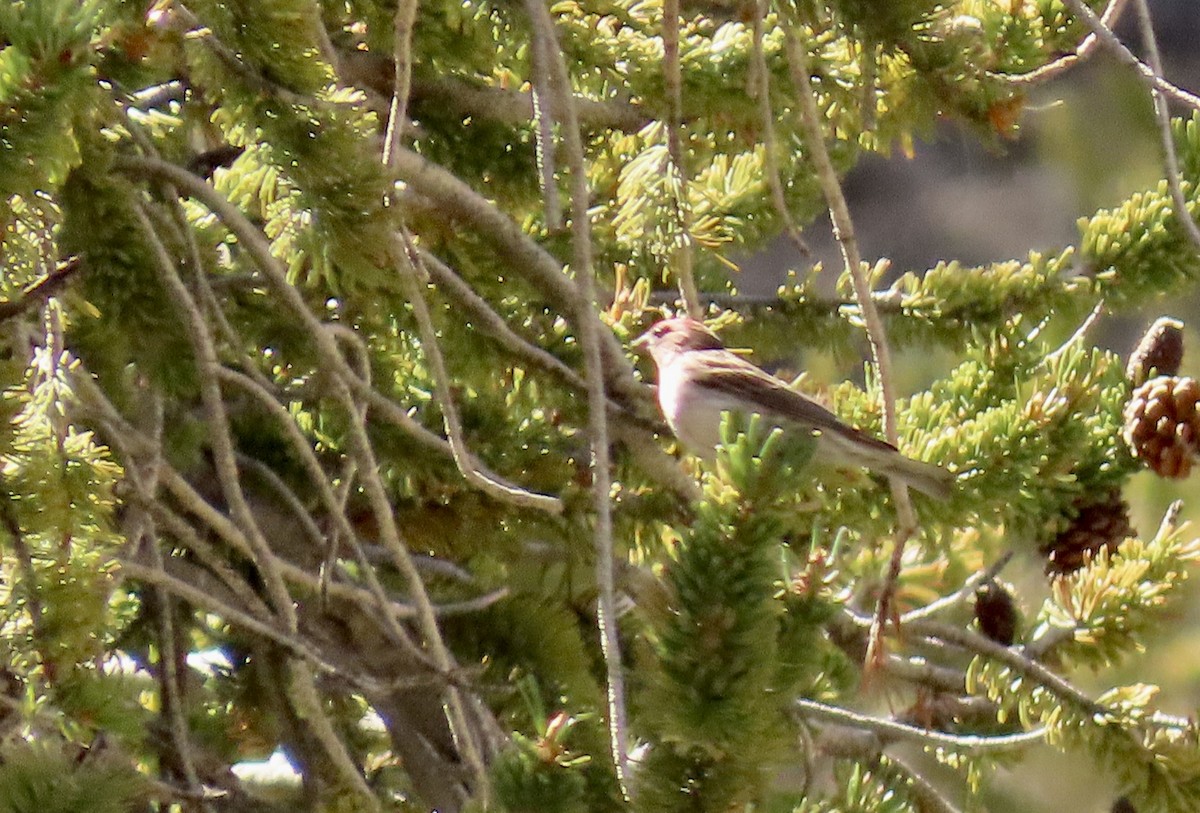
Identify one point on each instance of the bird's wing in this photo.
(741, 385)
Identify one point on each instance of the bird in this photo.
(699, 379)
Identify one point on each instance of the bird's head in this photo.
(669, 337)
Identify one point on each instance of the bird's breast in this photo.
(693, 414)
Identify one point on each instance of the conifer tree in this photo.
(322, 435)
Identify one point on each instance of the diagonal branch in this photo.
(1052, 70)
(36, 294)
(1110, 40)
(409, 266)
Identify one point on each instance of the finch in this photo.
(698, 379)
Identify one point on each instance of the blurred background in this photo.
(1087, 141)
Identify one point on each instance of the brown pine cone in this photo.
(996, 613)
(1162, 426)
(1101, 524)
(1160, 351)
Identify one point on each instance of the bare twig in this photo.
(590, 331)
(767, 115)
(843, 229)
(890, 730)
(409, 268)
(683, 257)
(1080, 332)
(1012, 657)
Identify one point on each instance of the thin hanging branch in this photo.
(683, 257)
(409, 268)
(457, 707)
(767, 115)
(402, 31)
(843, 229)
(590, 331)
(1163, 114)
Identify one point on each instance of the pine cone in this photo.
(1162, 426)
(996, 613)
(1159, 352)
(1102, 524)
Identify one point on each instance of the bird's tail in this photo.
(928, 478)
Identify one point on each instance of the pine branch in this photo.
(495, 104)
(1087, 47)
